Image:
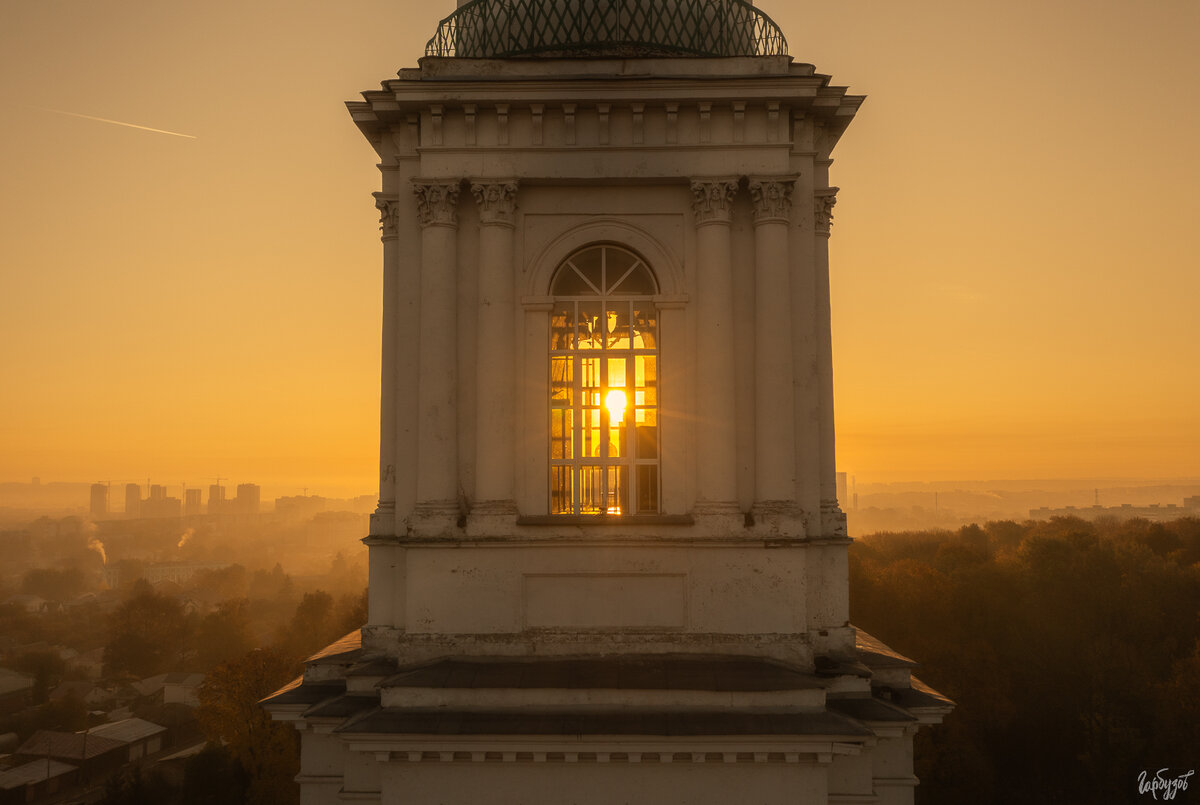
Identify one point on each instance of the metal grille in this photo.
(504, 28)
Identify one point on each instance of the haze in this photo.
(1014, 290)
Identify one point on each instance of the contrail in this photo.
(117, 123)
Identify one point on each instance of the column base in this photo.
(778, 519)
(437, 518)
(833, 519)
(492, 518)
(383, 520)
(719, 518)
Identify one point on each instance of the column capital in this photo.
(772, 197)
(497, 200)
(437, 202)
(389, 214)
(823, 201)
(712, 199)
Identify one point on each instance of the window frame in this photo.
(641, 463)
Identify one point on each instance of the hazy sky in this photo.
(1015, 287)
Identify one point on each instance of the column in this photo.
(495, 361)
(383, 521)
(833, 521)
(774, 428)
(716, 412)
(437, 482)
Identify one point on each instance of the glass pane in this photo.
(591, 496)
(616, 372)
(560, 381)
(647, 489)
(647, 433)
(591, 334)
(616, 499)
(616, 317)
(562, 434)
(616, 442)
(591, 433)
(588, 264)
(645, 326)
(570, 282)
(638, 281)
(560, 490)
(589, 380)
(645, 368)
(617, 263)
(562, 326)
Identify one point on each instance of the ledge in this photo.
(605, 519)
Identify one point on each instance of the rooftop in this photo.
(490, 29)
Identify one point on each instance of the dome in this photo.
(493, 29)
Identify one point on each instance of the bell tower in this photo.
(608, 562)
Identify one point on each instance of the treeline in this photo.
(1072, 649)
(247, 631)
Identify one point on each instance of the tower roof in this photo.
(489, 29)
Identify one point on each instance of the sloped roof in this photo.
(876, 654)
(35, 771)
(69, 745)
(128, 730)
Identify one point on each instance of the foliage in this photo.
(133, 787)
(214, 777)
(223, 634)
(229, 712)
(54, 585)
(148, 634)
(1072, 649)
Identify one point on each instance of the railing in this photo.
(504, 28)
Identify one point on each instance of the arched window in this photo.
(604, 385)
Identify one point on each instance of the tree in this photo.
(224, 634)
(267, 751)
(148, 634)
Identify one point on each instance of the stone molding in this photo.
(823, 202)
(389, 215)
(712, 200)
(772, 198)
(437, 203)
(497, 201)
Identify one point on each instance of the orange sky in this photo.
(1015, 293)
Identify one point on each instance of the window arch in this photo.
(604, 435)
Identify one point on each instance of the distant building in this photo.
(249, 498)
(841, 486)
(191, 501)
(160, 505)
(1126, 511)
(216, 499)
(99, 507)
(133, 500)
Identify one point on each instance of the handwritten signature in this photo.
(1169, 786)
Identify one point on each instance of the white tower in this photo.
(608, 563)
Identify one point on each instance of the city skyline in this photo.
(1011, 293)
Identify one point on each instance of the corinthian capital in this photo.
(389, 214)
(712, 200)
(823, 203)
(772, 198)
(497, 201)
(437, 203)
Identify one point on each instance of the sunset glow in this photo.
(1013, 287)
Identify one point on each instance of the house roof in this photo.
(128, 730)
(35, 771)
(69, 745)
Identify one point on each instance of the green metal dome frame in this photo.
(491, 29)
